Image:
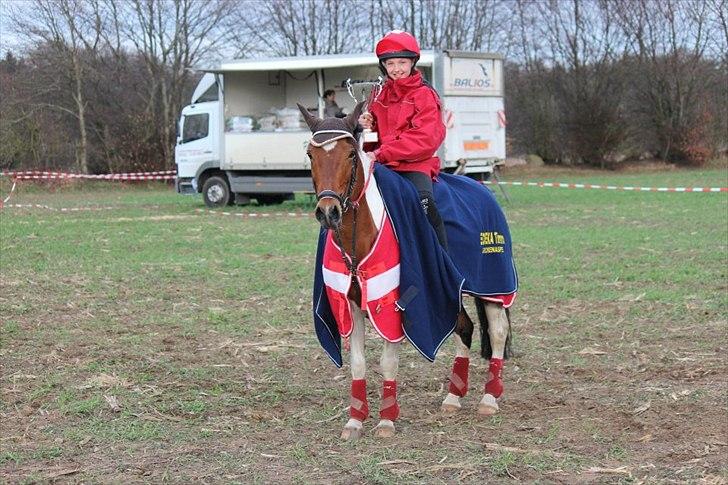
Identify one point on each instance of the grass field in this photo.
(151, 340)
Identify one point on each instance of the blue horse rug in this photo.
(432, 281)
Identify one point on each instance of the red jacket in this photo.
(408, 119)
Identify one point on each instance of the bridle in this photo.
(345, 199)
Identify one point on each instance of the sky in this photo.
(8, 40)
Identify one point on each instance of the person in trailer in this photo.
(331, 108)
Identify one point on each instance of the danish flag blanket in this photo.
(423, 306)
(378, 277)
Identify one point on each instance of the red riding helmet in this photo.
(398, 43)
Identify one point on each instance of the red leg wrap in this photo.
(494, 386)
(459, 377)
(359, 408)
(390, 408)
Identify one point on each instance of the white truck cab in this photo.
(242, 136)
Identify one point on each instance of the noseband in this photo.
(345, 200)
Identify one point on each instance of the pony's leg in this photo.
(359, 409)
(389, 410)
(498, 332)
(458, 379)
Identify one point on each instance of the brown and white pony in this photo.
(347, 200)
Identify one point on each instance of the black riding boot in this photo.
(423, 184)
(433, 215)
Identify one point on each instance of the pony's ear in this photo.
(352, 119)
(311, 121)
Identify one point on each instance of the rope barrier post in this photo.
(498, 181)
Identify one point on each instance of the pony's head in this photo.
(335, 167)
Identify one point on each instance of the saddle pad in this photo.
(478, 236)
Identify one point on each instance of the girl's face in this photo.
(398, 67)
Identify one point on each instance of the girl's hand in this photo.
(366, 120)
(371, 156)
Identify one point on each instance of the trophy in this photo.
(366, 91)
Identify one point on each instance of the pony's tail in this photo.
(486, 350)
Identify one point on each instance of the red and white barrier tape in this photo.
(59, 209)
(252, 215)
(609, 187)
(502, 119)
(40, 175)
(256, 215)
(4, 201)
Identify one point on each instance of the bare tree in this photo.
(302, 27)
(171, 36)
(68, 28)
(669, 41)
(717, 18)
(581, 41)
(443, 25)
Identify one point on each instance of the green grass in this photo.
(500, 462)
(199, 325)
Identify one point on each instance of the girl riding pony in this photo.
(407, 117)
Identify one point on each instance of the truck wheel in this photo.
(216, 192)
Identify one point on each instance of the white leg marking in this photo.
(353, 428)
(390, 360)
(390, 365)
(356, 357)
(497, 328)
(460, 349)
(498, 332)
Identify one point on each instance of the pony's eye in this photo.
(308, 154)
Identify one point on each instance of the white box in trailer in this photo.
(243, 137)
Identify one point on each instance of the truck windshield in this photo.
(195, 127)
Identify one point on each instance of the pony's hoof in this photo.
(352, 431)
(487, 406)
(449, 409)
(385, 429)
(451, 404)
(350, 434)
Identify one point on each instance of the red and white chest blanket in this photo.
(378, 278)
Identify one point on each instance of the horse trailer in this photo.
(242, 137)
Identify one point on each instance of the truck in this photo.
(242, 137)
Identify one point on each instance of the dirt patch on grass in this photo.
(269, 407)
(204, 368)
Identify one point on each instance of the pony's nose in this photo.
(320, 215)
(334, 215)
(328, 216)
